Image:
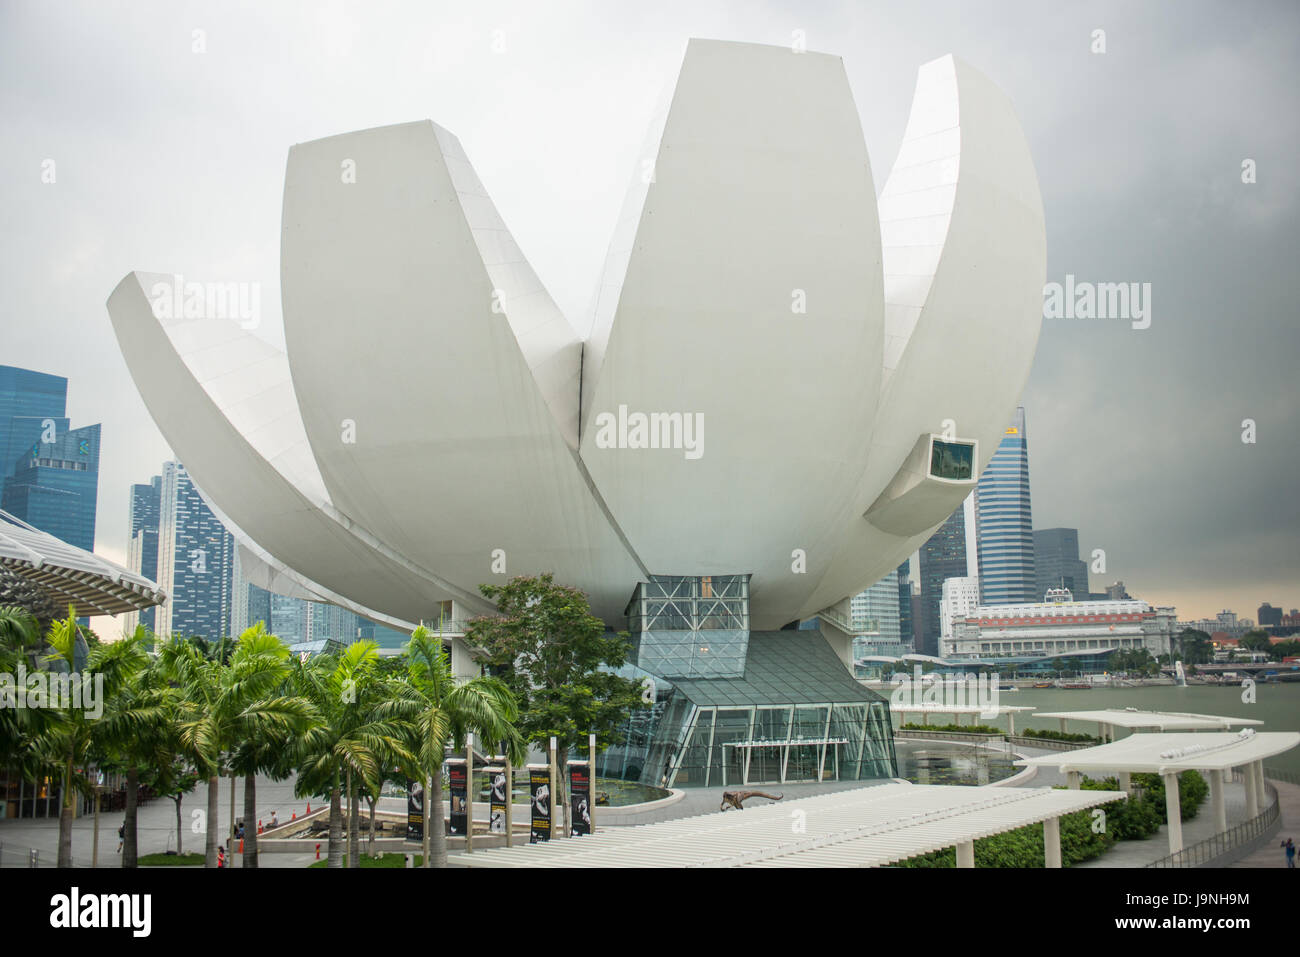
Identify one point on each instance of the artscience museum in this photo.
(788, 383)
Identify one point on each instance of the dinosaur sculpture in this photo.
(737, 799)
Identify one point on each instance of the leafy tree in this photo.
(442, 712)
(1255, 640)
(557, 659)
(1196, 646)
(222, 709)
(74, 735)
(362, 733)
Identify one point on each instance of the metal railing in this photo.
(1212, 848)
(18, 855)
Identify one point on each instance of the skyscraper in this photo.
(905, 633)
(1005, 524)
(876, 608)
(143, 512)
(1057, 563)
(196, 561)
(942, 556)
(49, 473)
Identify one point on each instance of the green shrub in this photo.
(1023, 847)
(1192, 790)
(1060, 736)
(952, 728)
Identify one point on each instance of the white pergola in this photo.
(1133, 719)
(863, 827)
(1170, 754)
(957, 710)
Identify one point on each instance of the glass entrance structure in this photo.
(736, 707)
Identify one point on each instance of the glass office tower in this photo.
(1005, 525)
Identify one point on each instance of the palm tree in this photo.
(74, 732)
(361, 734)
(135, 730)
(265, 727)
(223, 708)
(440, 712)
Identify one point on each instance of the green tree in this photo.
(362, 733)
(221, 709)
(75, 731)
(1255, 640)
(558, 660)
(442, 712)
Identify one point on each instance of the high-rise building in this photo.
(143, 512)
(1117, 592)
(905, 632)
(1057, 563)
(1005, 524)
(943, 556)
(197, 562)
(961, 596)
(1268, 615)
(49, 473)
(875, 611)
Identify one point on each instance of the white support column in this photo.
(1260, 791)
(1062, 726)
(1052, 842)
(1011, 722)
(966, 854)
(1252, 792)
(1216, 799)
(1074, 779)
(1174, 813)
(1126, 781)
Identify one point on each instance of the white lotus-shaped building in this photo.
(786, 378)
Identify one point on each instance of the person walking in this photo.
(121, 837)
(1290, 852)
(221, 855)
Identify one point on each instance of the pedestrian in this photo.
(221, 855)
(121, 837)
(275, 821)
(1290, 852)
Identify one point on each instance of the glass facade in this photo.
(691, 626)
(1006, 538)
(794, 714)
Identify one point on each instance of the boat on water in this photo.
(1074, 685)
(1043, 684)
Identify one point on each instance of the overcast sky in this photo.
(169, 160)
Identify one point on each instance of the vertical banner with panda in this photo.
(539, 786)
(498, 795)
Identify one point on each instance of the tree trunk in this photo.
(438, 850)
(371, 840)
(250, 815)
(213, 822)
(130, 846)
(354, 824)
(336, 825)
(65, 817)
(428, 821)
(178, 798)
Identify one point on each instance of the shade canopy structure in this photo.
(1133, 719)
(1160, 753)
(1215, 752)
(864, 827)
(71, 575)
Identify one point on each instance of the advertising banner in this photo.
(459, 817)
(580, 796)
(539, 787)
(414, 811)
(498, 795)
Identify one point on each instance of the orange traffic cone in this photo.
(309, 807)
(294, 816)
(318, 852)
(241, 845)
